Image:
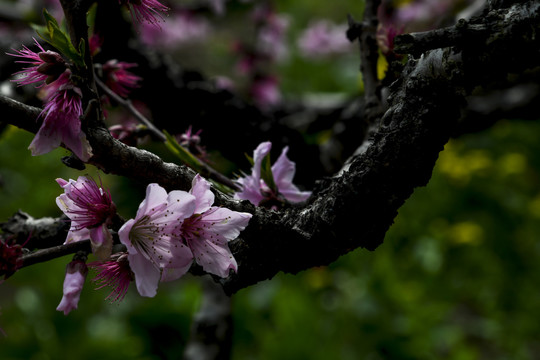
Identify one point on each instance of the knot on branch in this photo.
(43, 233)
(355, 28)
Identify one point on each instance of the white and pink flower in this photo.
(208, 231)
(152, 251)
(172, 230)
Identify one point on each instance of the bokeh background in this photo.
(457, 276)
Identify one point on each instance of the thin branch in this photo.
(40, 256)
(420, 42)
(204, 168)
(366, 32)
(129, 106)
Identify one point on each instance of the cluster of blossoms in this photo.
(61, 114)
(269, 47)
(169, 232)
(274, 188)
(323, 38)
(63, 102)
(182, 27)
(417, 15)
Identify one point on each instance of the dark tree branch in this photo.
(129, 106)
(110, 155)
(366, 32)
(36, 233)
(356, 208)
(420, 42)
(211, 330)
(40, 256)
(204, 168)
(19, 114)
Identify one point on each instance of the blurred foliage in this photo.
(457, 277)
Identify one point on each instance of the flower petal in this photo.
(123, 234)
(77, 235)
(156, 199)
(283, 171)
(180, 205)
(258, 155)
(76, 272)
(293, 194)
(62, 182)
(78, 144)
(47, 138)
(102, 241)
(209, 243)
(214, 256)
(224, 224)
(182, 258)
(200, 188)
(146, 275)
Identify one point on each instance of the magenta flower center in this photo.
(116, 274)
(94, 206)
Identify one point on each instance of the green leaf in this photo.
(182, 153)
(54, 35)
(266, 173)
(221, 187)
(250, 159)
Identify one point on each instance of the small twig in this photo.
(51, 253)
(205, 170)
(129, 106)
(420, 42)
(366, 32)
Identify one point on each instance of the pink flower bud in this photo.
(76, 272)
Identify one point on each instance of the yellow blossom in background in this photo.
(534, 206)
(461, 167)
(512, 163)
(382, 66)
(466, 232)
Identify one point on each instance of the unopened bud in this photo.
(51, 57)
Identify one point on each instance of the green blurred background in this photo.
(456, 278)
